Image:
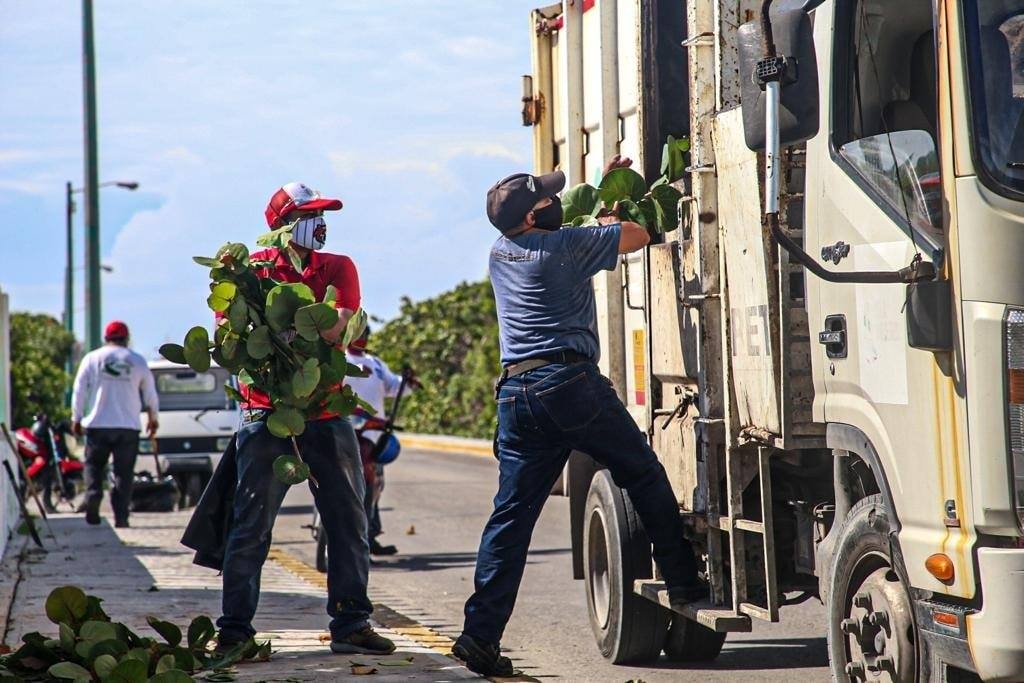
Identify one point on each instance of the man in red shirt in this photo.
(328, 446)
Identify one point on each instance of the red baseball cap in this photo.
(295, 197)
(115, 330)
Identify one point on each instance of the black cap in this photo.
(513, 197)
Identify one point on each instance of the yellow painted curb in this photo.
(446, 446)
(382, 614)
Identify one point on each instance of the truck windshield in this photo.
(185, 389)
(995, 58)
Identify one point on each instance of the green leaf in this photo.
(130, 670)
(222, 294)
(97, 630)
(621, 184)
(94, 611)
(233, 394)
(165, 663)
(206, 261)
(258, 344)
(306, 378)
(581, 200)
(197, 349)
(354, 329)
(171, 676)
(201, 630)
(276, 238)
(169, 632)
(584, 222)
(352, 370)
(104, 665)
(70, 670)
(289, 469)
(284, 300)
(66, 604)
(673, 158)
(666, 201)
(234, 255)
(630, 211)
(238, 314)
(311, 320)
(67, 638)
(331, 296)
(112, 647)
(285, 422)
(138, 653)
(342, 402)
(649, 210)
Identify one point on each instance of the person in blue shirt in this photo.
(552, 399)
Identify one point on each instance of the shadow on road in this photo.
(436, 561)
(755, 655)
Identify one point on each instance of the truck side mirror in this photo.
(798, 107)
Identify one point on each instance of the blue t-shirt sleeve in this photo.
(593, 249)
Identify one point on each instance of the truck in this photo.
(827, 354)
(197, 421)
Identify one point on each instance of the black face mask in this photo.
(549, 217)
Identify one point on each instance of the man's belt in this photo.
(561, 357)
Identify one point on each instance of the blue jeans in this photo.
(543, 415)
(329, 448)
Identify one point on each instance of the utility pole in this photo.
(69, 263)
(92, 203)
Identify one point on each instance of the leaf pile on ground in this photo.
(90, 647)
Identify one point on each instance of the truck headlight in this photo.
(223, 443)
(1014, 335)
(145, 446)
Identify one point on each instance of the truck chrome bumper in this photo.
(995, 634)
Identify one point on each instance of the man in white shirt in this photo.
(379, 384)
(112, 387)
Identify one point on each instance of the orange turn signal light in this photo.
(946, 619)
(940, 566)
(1015, 385)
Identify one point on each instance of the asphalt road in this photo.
(434, 508)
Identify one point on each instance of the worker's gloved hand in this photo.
(608, 216)
(410, 377)
(151, 428)
(76, 428)
(617, 161)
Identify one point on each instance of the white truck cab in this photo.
(197, 421)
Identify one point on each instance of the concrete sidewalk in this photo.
(144, 570)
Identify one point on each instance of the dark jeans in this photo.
(329, 448)
(373, 476)
(544, 414)
(100, 444)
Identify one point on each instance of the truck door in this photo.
(874, 196)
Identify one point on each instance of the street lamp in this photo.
(69, 280)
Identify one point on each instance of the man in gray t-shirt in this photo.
(552, 399)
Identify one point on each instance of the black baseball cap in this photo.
(513, 197)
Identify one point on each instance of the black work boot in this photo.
(482, 658)
(92, 512)
(687, 594)
(378, 549)
(365, 641)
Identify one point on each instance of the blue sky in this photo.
(407, 110)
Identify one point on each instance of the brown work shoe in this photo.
(365, 641)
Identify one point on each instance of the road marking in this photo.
(382, 614)
(480, 450)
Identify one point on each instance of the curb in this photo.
(448, 444)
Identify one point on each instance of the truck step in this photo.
(710, 616)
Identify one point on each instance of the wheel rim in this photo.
(879, 625)
(597, 546)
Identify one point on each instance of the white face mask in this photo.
(310, 232)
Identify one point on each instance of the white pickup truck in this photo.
(197, 421)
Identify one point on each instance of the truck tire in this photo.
(627, 627)
(688, 641)
(321, 550)
(871, 629)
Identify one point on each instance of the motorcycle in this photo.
(48, 461)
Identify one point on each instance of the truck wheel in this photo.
(688, 641)
(871, 630)
(321, 550)
(627, 627)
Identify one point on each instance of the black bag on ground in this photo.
(154, 494)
